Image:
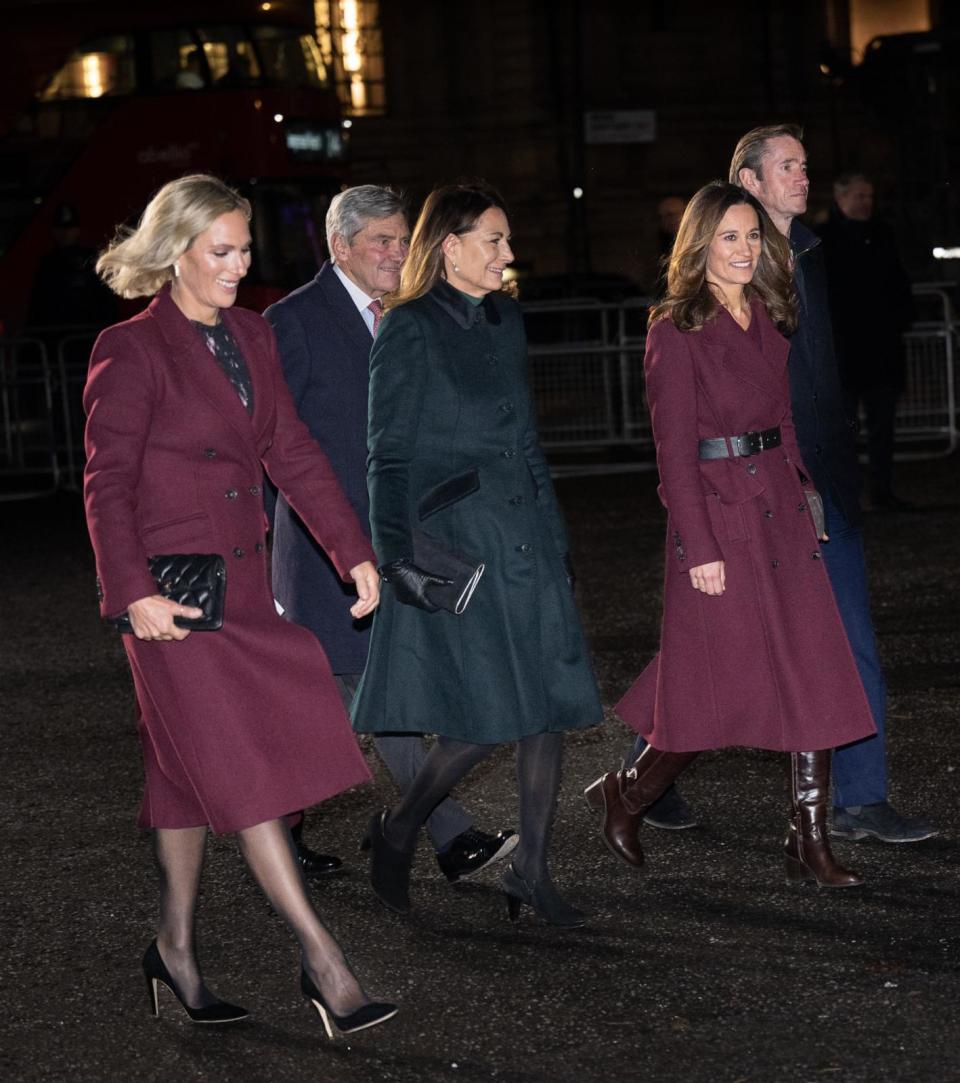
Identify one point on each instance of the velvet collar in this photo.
(459, 308)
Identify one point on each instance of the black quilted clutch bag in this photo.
(197, 579)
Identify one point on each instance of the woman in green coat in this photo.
(454, 455)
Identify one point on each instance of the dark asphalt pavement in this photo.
(705, 967)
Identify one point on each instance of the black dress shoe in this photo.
(670, 812)
(473, 850)
(879, 821)
(312, 863)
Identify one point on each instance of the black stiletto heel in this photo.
(156, 973)
(544, 899)
(369, 1015)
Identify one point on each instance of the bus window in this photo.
(230, 56)
(99, 67)
(176, 60)
(288, 231)
(289, 59)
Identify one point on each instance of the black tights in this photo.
(539, 762)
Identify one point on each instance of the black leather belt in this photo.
(748, 443)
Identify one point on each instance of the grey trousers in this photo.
(403, 755)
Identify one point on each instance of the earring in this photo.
(176, 270)
(456, 269)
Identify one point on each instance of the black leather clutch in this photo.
(463, 570)
(196, 579)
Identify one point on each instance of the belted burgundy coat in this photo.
(767, 663)
(243, 724)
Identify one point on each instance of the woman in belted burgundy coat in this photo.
(752, 649)
(186, 407)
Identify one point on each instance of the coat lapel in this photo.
(344, 314)
(190, 354)
(738, 350)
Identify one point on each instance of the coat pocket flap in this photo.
(448, 492)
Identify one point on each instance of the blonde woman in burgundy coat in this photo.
(752, 649)
(186, 406)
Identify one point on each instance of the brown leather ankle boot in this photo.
(807, 848)
(624, 796)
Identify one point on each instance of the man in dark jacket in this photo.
(324, 331)
(771, 164)
(871, 307)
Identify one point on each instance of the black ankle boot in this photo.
(389, 867)
(543, 897)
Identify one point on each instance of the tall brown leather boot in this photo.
(624, 796)
(806, 848)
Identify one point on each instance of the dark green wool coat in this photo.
(449, 396)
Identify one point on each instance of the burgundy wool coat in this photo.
(243, 724)
(767, 663)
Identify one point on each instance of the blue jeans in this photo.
(859, 769)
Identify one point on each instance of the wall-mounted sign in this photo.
(620, 126)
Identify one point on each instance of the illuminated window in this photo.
(872, 18)
(293, 60)
(351, 43)
(230, 56)
(98, 68)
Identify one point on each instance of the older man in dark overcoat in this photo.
(325, 330)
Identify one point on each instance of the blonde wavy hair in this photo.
(689, 301)
(139, 261)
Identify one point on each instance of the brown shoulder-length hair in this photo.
(452, 208)
(689, 301)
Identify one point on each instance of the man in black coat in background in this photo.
(871, 307)
(771, 164)
(324, 332)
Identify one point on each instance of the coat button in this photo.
(516, 500)
(231, 494)
(506, 407)
(209, 452)
(254, 490)
(801, 507)
(526, 547)
(258, 548)
(492, 358)
(814, 556)
(509, 453)
(774, 563)
(768, 514)
(752, 468)
(238, 552)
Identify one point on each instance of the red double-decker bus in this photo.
(101, 103)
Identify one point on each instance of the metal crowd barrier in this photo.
(590, 390)
(586, 365)
(29, 466)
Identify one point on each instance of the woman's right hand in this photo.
(152, 618)
(709, 578)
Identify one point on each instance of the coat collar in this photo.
(459, 308)
(801, 238)
(189, 353)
